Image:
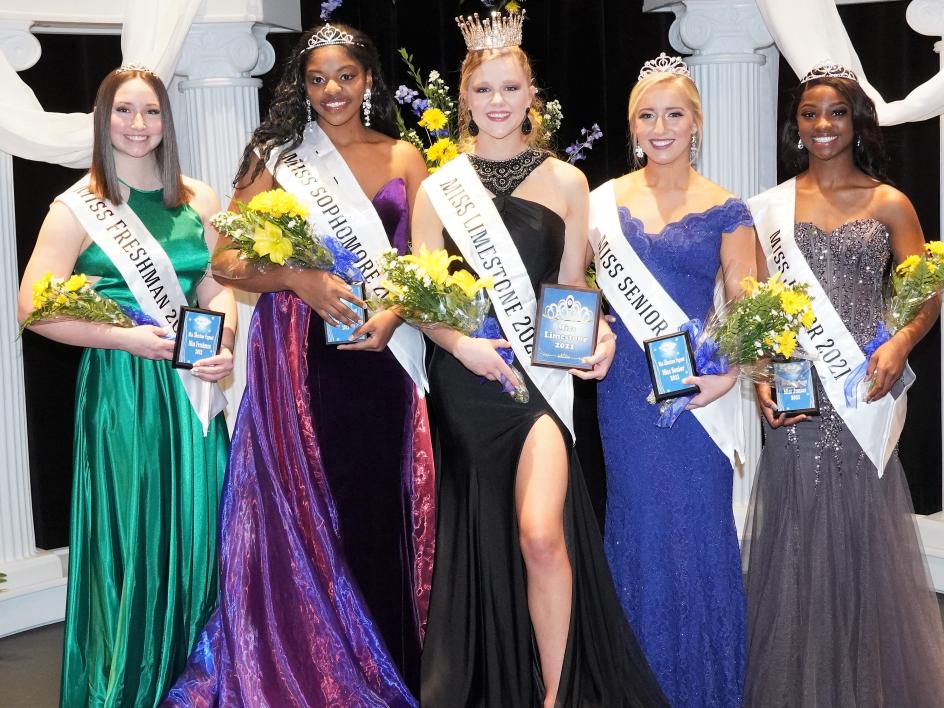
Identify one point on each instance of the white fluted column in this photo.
(217, 108)
(34, 593)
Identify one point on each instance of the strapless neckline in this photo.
(386, 187)
(843, 226)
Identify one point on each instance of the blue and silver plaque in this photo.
(567, 322)
(341, 333)
(795, 386)
(198, 336)
(670, 362)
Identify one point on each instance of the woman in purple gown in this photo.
(326, 551)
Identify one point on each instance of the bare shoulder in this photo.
(567, 175)
(204, 200)
(713, 193)
(406, 157)
(61, 224)
(887, 196)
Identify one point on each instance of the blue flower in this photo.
(329, 6)
(405, 95)
(442, 133)
(420, 105)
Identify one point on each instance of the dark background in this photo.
(586, 53)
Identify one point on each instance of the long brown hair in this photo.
(104, 178)
(539, 139)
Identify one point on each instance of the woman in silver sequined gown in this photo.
(840, 611)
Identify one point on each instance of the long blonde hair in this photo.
(539, 139)
(687, 87)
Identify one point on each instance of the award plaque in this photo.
(795, 387)
(341, 334)
(567, 321)
(199, 334)
(670, 360)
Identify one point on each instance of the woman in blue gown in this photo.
(670, 535)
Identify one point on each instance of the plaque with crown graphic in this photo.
(795, 387)
(199, 336)
(670, 361)
(566, 332)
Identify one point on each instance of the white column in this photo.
(34, 593)
(927, 17)
(216, 108)
(734, 79)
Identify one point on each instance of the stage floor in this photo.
(29, 667)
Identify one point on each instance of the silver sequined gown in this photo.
(840, 611)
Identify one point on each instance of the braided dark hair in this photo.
(868, 150)
(287, 116)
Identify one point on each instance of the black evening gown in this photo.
(479, 648)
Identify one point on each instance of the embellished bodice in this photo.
(851, 263)
(504, 176)
(179, 231)
(686, 254)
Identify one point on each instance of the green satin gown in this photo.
(142, 550)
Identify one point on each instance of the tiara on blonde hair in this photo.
(664, 64)
(495, 32)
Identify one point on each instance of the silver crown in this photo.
(829, 70)
(664, 64)
(133, 67)
(495, 32)
(329, 35)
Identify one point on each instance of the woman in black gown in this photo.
(522, 610)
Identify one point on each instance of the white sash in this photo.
(317, 174)
(148, 273)
(647, 310)
(476, 227)
(876, 426)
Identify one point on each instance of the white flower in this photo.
(433, 76)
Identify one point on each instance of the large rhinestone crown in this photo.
(664, 64)
(829, 70)
(328, 35)
(495, 32)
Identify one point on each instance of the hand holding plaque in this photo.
(341, 333)
(567, 320)
(199, 335)
(795, 387)
(671, 361)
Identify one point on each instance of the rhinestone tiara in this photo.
(133, 67)
(495, 32)
(829, 70)
(664, 64)
(328, 35)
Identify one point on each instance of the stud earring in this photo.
(526, 125)
(308, 109)
(693, 149)
(800, 145)
(365, 107)
(473, 126)
(639, 152)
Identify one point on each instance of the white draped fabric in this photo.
(808, 32)
(152, 35)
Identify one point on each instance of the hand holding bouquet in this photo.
(273, 229)
(421, 290)
(74, 298)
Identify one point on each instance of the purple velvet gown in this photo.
(327, 522)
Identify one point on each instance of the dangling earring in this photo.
(473, 126)
(639, 152)
(858, 143)
(308, 109)
(800, 146)
(693, 150)
(526, 124)
(365, 107)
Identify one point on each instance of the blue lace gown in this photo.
(670, 536)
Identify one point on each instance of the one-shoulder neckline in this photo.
(678, 222)
(844, 225)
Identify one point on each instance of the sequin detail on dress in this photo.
(504, 176)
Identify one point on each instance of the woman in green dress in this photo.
(147, 468)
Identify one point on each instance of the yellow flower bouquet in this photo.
(74, 298)
(914, 281)
(762, 325)
(425, 290)
(272, 229)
